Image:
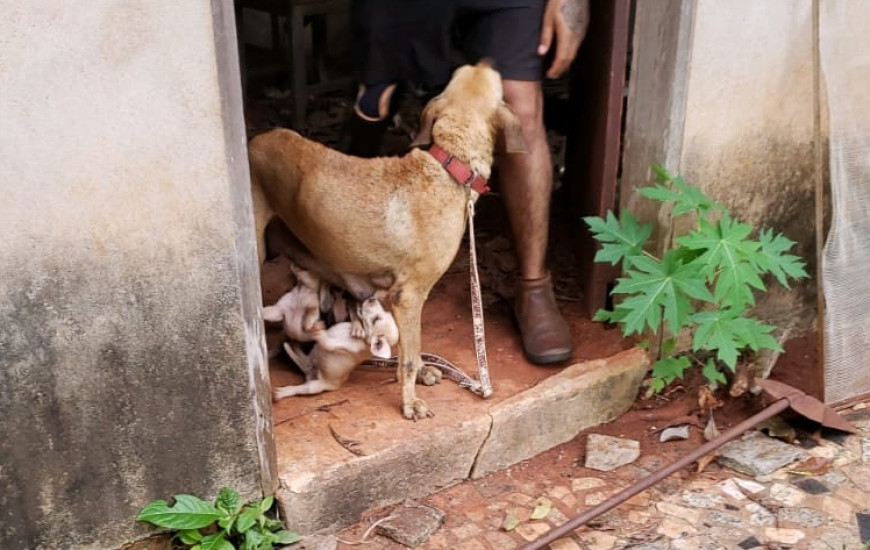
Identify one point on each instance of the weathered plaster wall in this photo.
(130, 345)
(726, 99)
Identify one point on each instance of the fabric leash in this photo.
(485, 385)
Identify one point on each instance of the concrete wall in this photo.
(131, 350)
(723, 93)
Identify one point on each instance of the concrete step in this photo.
(346, 452)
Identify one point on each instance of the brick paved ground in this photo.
(717, 508)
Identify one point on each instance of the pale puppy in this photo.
(337, 352)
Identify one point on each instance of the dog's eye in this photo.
(376, 319)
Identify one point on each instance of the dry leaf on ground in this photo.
(511, 521)
(814, 466)
(542, 508)
(706, 399)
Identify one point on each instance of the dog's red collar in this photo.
(460, 171)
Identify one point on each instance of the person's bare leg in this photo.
(526, 181)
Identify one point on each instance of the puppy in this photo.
(391, 224)
(299, 309)
(336, 352)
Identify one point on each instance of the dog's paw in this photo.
(357, 330)
(416, 410)
(282, 392)
(429, 375)
(317, 329)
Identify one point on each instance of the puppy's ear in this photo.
(273, 314)
(430, 114)
(380, 347)
(510, 137)
(326, 298)
(340, 310)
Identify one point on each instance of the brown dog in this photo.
(387, 224)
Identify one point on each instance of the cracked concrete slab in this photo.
(347, 452)
(554, 411)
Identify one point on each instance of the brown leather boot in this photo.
(544, 333)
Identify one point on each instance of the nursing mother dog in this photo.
(390, 224)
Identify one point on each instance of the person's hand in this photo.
(565, 21)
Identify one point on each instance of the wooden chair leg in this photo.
(297, 40)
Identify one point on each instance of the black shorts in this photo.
(422, 41)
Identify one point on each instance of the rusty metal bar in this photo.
(772, 410)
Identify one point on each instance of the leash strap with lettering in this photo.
(485, 389)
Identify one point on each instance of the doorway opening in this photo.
(270, 41)
(298, 73)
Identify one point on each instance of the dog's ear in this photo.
(326, 298)
(430, 114)
(273, 314)
(510, 136)
(380, 347)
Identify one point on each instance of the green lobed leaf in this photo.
(693, 199)
(643, 311)
(686, 198)
(620, 240)
(712, 373)
(728, 258)
(188, 512)
(716, 331)
(659, 192)
(669, 369)
(773, 258)
(668, 346)
(755, 334)
(659, 290)
(606, 316)
(661, 173)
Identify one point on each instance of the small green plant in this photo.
(706, 280)
(225, 525)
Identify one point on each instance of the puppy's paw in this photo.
(282, 392)
(416, 410)
(357, 330)
(429, 375)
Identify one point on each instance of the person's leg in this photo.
(526, 181)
